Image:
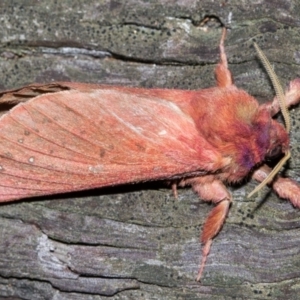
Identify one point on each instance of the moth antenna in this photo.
(277, 86)
(271, 174)
(281, 99)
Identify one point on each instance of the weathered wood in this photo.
(138, 242)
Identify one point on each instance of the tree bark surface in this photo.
(138, 241)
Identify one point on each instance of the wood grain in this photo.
(138, 242)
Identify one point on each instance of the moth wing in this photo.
(74, 140)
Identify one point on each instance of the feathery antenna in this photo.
(281, 99)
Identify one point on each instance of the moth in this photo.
(65, 136)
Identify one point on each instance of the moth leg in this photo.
(222, 73)
(210, 189)
(286, 188)
(292, 97)
(174, 190)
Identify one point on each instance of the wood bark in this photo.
(138, 241)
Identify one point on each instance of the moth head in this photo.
(279, 140)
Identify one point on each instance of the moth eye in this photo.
(275, 152)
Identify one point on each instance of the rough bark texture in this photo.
(138, 242)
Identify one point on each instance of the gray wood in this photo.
(138, 242)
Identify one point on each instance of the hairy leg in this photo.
(286, 188)
(292, 97)
(210, 189)
(223, 75)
